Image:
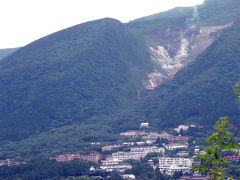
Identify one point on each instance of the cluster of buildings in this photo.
(151, 137)
(139, 149)
(93, 156)
(115, 162)
(169, 165)
(11, 162)
(145, 142)
(148, 138)
(173, 146)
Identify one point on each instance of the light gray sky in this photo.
(23, 21)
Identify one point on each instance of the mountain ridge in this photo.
(85, 83)
(70, 75)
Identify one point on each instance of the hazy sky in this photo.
(23, 21)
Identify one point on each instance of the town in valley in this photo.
(168, 153)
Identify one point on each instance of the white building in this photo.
(154, 136)
(169, 163)
(122, 156)
(148, 149)
(183, 127)
(133, 133)
(128, 143)
(128, 176)
(121, 167)
(135, 153)
(183, 153)
(149, 141)
(171, 170)
(144, 125)
(110, 147)
(196, 150)
(140, 143)
(173, 146)
(110, 161)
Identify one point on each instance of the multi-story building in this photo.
(121, 167)
(173, 146)
(183, 153)
(144, 125)
(178, 138)
(93, 156)
(11, 162)
(110, 147)
(128, 176)
(170, 164)
(154, 136)
(169, 137)
(110, 161)
(148, 149)
(122, 156)
(172, 170)
(65, 157)
(140, 143)
(6, 162)
(164, 135)
(133, 133)
(165, 162)
(136, 153)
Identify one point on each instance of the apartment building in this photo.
(173, 146)
(121, 167)
(170, 164)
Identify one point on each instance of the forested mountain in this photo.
(90, 69)
(91, 81)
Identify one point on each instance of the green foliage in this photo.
(72, 138)
(87, 70)
(237, 89)
(212, 161)
(45, 169)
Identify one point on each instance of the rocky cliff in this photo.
(173, 49)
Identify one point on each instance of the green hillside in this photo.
(87, 70)
(85, 83)
(199, 94)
